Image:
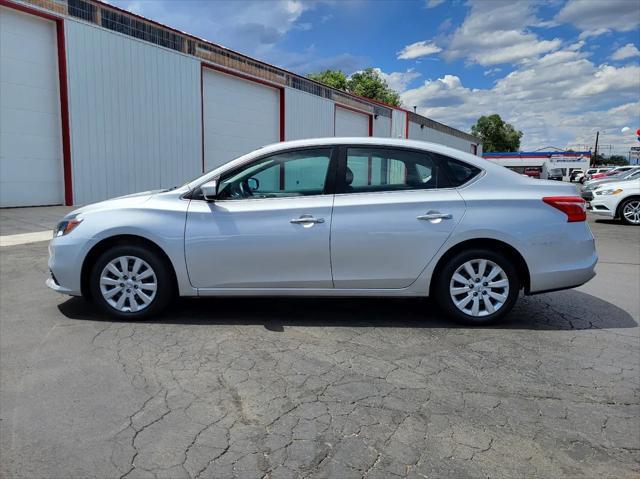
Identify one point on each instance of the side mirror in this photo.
(210, 190)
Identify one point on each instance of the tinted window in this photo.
(458, 172)
(380, 169)
(294, 173)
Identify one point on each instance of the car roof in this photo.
(355, 141)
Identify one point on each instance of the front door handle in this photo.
(306, 220)
(435, 215)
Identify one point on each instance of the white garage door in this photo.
(351, 123)
(239, 116)
(30, 133)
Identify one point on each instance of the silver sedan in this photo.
(332, 217)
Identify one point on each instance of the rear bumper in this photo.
(569, 262)
(564, 279)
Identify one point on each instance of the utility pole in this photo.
(595, 153)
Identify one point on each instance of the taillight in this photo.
(573, 206)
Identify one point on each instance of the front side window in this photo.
(380, 169)
(292, 173)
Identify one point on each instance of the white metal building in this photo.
(97, 102)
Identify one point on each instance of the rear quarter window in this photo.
(458, 172)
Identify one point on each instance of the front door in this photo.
(268, 228)
(393, 210)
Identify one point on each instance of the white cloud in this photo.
(434, 3)
(492, 71)
(628, 51)
(595, 17)
(244, 25)
(417, 50)
(494, 32)
(398, 80)
(608, 79)
(560, 99)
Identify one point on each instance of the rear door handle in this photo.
(434, 215)
(306, 220)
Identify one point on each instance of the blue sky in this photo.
(558, 70)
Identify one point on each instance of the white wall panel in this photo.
(30, 125)
(307, 115)
(351, 123)
(398, 124)
(134, 113)
(435, 136)
(382, 127)
(239, 117)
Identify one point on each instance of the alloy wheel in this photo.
(631, 212)
(479, 287)
(128, 284)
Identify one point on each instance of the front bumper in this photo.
(51, 284)
(605, 205)
(66, 255)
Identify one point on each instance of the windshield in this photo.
(555, 171)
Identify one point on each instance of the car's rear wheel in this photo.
(131, 282)
(630, 211)
(477, 286)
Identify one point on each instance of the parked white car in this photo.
(618, 200)
(332, 217)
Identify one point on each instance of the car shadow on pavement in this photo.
(619, 223)
(567, 310)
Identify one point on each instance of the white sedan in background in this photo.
(332, 217)
(618, 200)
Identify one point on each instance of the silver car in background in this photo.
(332, 217)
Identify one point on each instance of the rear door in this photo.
(393, 210)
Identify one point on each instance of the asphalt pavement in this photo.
(344, 388)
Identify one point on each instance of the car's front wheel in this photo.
(131, 282)
(630, 211)
(477, 286)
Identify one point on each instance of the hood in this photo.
(134, 199)
(634, 183)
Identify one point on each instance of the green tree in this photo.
(333, 78)
(367, 83)
(598, 160)
(617, 160)
(496, 135)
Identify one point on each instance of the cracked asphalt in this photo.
(288, 388)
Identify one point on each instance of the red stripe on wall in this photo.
(64, 114)
(202, 112)
(282, 113)
(64, 94)
(406, 133)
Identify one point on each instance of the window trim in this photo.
(330, 180)
(342, 170)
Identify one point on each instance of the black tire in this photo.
(621, 208)
(443, 281)
(164, 282)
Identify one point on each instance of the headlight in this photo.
(66, 226)
(609, 192)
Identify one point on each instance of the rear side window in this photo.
(373, 169)
(457, 172)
